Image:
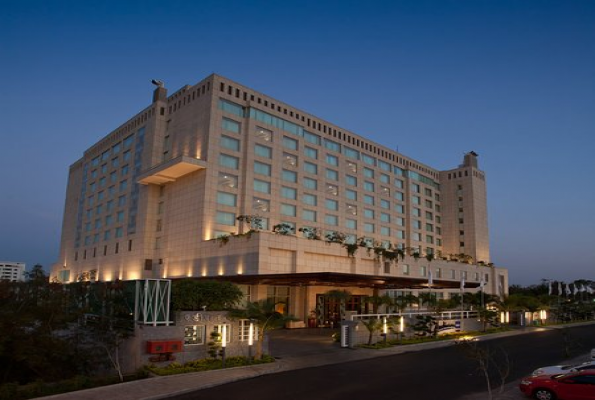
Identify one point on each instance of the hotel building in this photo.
(12, 271)
(218, 180)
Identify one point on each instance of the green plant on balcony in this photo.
(351, 248)
(311, 233)
(222, 239)
(283, 229)
(335, 237)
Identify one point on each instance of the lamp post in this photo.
(384, 329)
(223, 344)
(250, 340)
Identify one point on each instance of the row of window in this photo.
(93, 252)
(297, 130)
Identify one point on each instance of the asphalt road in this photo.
(444, 373)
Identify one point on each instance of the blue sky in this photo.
(512, 80)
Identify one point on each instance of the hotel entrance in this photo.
(330, 309)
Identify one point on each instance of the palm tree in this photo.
(265, 316)
(372, 325)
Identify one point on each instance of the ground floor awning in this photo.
(342, 280)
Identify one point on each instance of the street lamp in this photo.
(250, 340)
(223, 344)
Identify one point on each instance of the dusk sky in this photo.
(513, 81)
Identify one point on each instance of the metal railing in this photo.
(444, 315)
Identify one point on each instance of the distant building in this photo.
(178, 189)
(12, 271)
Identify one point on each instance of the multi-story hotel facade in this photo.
(219, 181)
(12, 271)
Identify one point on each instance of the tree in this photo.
(192, 295)
(373, 325)
(266, 317)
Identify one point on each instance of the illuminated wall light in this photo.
(402, 325)
(384, 326)
(251, 334)
(224, 336)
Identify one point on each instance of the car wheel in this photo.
(544, 394)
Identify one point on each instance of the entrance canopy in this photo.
(342, 280)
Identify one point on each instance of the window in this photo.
(230, 125)
(124, 170)
(309, 199)
(225, 218)
(290, 143)
(119, 232)
(310, 152)
(262, 186)
(126, 155)
(332, 160)
(369, 199)
(244, 327)
(423, 270)
(333, 146)
(350, 194)
(351, 180)
(351, 153)
(415, 188)
(351, 209)
(332, 174)
(351, 166)
(229, 161)
(312, 138)
(351, 223)
(331, 220)
(384, 178)
(385, 231)
(369, 159)
(399, 196)
(416, 200)
(368, 173)
(429, 227)
(384, 217)
(289, 160)
(289, 176)
(109, 206)
(368, 213)
(429, 204)
(262, 168)
(369, 227)
(310, 168)
(399, 183)
(194, 334)
(310, 183)
(120, 216)
(226, 199)
(288, 193)
(416, 224)
(263, 151)
(123, 185)
(369, 186)
(288, 209)
(228, 181)
(332, 204)
(416, 212)
(263, 134)
(260, 204)
(309, 215)
(128, 140)
(400, 234)
(230, 143)
(405, 269)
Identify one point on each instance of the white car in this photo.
(563, 369)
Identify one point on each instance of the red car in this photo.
(573, 386)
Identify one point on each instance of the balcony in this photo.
(171, 170)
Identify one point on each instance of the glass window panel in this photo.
(227, 199)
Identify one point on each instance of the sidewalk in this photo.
(165, 386)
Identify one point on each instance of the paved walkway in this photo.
(294, 350)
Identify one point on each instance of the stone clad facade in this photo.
(166, 195)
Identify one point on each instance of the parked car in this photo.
(573, 386)
(563, 369)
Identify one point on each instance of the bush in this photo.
(205, 364)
